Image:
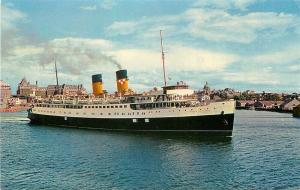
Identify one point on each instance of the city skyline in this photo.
(244, 44)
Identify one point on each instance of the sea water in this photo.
(263, 153)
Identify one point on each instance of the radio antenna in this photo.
(57, 87)
(163, 57)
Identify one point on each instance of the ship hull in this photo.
(222, 123)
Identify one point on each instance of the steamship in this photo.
(175, 108)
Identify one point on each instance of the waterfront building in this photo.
(290, 104)
(267, 104)
(41, 92)
(5, 93)
(204, 95)
(65, 89)
(244, 103)
(25, 88)
(17, 101)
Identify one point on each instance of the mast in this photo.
(163, 57)
(57, 87)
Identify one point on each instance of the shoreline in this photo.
(263, 109)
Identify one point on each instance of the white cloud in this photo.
(27, 50)
(138, 59)
(224, 4)
(9, 31)
(295, 68)
(252, 77)
(70, 41)
(289, 54)
(9, 17)
(213, 25)
(89, 8)
(79, 58)
(218, 25)
(178, 58)
(192, 59)
(75, 53)
(108, 4)
(122, 28)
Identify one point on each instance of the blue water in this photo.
(263, 153)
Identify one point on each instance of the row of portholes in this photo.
(47, 111)
(120, 106)
(137, 113)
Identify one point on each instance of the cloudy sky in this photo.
(242, 44)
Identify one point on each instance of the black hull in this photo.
(209, 123)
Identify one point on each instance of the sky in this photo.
(240, 44)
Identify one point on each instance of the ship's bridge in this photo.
(181, 88)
